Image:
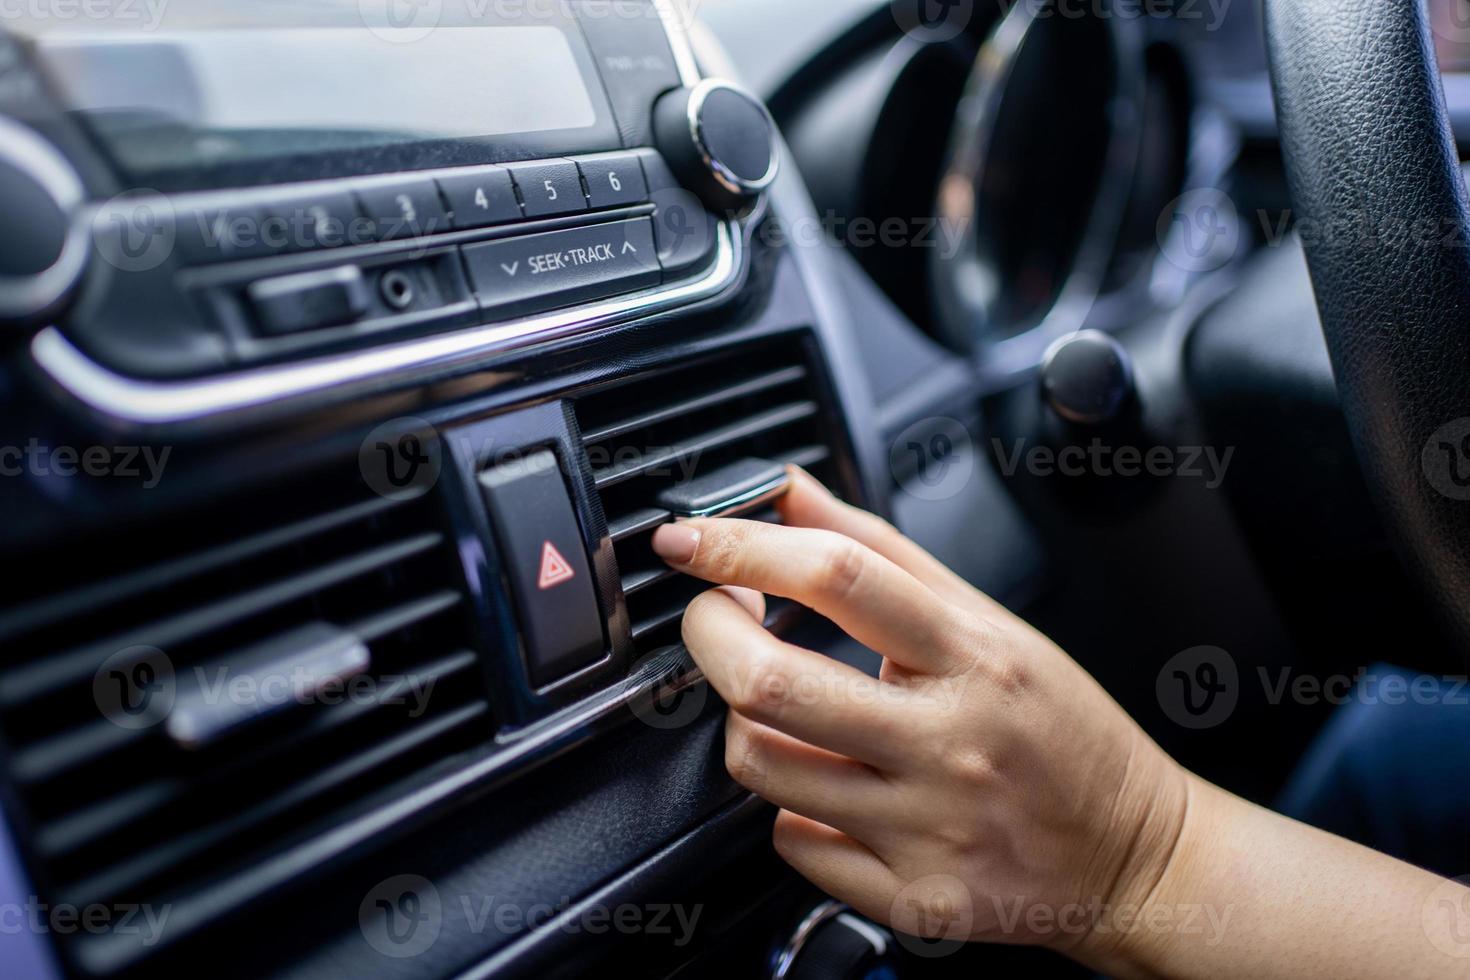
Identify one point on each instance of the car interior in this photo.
(354, 350)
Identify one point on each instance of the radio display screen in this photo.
(255, 104)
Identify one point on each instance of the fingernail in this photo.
(676, 543)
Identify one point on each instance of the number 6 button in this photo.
(481, 196)
(550, 188)
(613, 179)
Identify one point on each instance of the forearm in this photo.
(1248, 892)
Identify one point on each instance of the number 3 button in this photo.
(550, 188)
(479, 197)
(402, 207)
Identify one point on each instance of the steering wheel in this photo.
(1381, 207)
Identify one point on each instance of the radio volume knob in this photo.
(43, 250)
(720, 141)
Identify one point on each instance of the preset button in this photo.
(613, 179)
(550, 188)
(315, 218)
(403, 207)
(479, 197)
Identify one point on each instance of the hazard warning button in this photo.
(545, 562)
(554, 568)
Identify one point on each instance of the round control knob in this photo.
(1087, 377)
(720, 141)
(43, 250)
(835, 943)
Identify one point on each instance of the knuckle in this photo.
(742, 755)
(1009, 675)
(984, 636)
(971, 639)
(956, 834)
(719, 552)
(784, 837)
(843, 565)
(974, 767)
(763, 685)
(990, 650)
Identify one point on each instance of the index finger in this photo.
(872, 599)
(809, 504)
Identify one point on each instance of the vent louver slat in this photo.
(125, 586)
(189, 846)
(635, 582)
(666, 429)
(84, 826)
(71, 666)
(135, 812)
(764, 382)
(51, 758)
(636, 522)
(654, 459)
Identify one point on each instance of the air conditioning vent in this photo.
(672, 427)
(319, 664)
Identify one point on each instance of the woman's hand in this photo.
(984, 787)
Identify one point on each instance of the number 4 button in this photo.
(480, 196)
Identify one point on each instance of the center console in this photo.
(398, 340)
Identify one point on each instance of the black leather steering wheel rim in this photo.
(1381, 204)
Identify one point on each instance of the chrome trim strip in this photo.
(965, 283)
(155, 403)
(820, 913)
(33, 294)
(161, 402)
(867, 930)
(669, 11)
(745, 502)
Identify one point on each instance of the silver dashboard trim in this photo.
(142, 402)
(147, 402)
(33, 294)
(965, 283)
(743, 503)
(678, 19)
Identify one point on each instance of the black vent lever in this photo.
(734, 489)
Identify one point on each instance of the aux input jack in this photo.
(397, 289)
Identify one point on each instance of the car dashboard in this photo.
(405, 403)
(368, 349)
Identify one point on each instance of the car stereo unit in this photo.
(218, 218)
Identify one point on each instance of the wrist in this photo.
(1160, 869)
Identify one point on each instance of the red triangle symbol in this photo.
(554, 568)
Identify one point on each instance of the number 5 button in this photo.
(549, 188)
(613, 179)
(480, 196)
